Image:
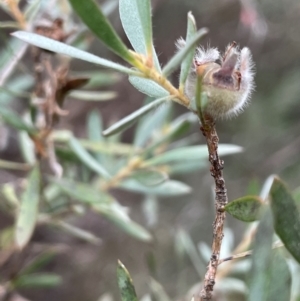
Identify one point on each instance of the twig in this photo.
(241, 247)
(276, 245)
(209, 131)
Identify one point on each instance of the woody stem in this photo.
(210, 134)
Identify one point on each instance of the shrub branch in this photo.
(209, 131)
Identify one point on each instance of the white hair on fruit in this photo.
(206, 56)
(227, 80)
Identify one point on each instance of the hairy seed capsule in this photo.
(227, 80)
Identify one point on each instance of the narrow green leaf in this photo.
(144, 8)
(286, 217)
(32, 9)
(188, 153)
(150, 124)
(16, 121)
(187, 62)
(77, 232)
(186, 167)
(9, 199)
(265, 191)
(38, 262)
(136, 20)
(176, 60)
(38, 280)
(8, 24)
(149, 177)
(27, 216)
(296, 196)
(7, 240)
(148, 87)
(9, 58)
(150, 209)
(98, 79)
(18, 85)
(174, 130)
(86, 158)
(246, 209)
(94, 130)
(82, 192)
(129, 120)
(14, 165)
(280, 278)
(27, 147)
(58, 47)
(198, 99)
(94, 127)
(259, 276)
(118, 215)
(168, 188)
(189, 247)
(108, 148)
(157, 291)
(92, 16)
(125, 283)
(92, 95)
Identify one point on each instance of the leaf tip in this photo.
(191, 17)
(120, 264)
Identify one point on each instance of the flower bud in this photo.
(227, 80)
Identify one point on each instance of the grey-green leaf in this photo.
(148, 87)
(150, 124)
(14, 165)
(92, 16)
(86, 158)
(185, 242)
(40, 261)
(92, 95)
(286, 217)
(191, 153)
(187, 62)
(28, 212)
(94, 131)
(58, 47)
(37, 280)
(27, 147)
(118, 215)
(135, 21)
(259, 276)
(77, 232)
(176, 60)
(94, 126)
(149, 177)
(280, 278)
(168, 188)
(98, 79)
(246, 209)
(83, 192)
(129, 120)
(16, 121)
(125, 283)
(175, 129)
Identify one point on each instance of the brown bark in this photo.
(209, 131)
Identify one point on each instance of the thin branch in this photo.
(209, 131)
(276, 245)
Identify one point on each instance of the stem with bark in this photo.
(209, 131)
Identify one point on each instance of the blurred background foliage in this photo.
(81, 266)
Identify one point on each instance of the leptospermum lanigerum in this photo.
(227, 80)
